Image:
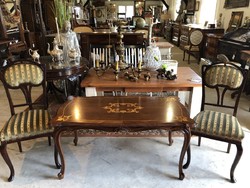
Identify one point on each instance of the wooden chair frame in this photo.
(233, 79)
(24, 75)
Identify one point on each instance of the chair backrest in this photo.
(145, 31)
(104, 53)
(223, 78)
(134, 53)
(23, 76)
(83, 29)
(195, 37)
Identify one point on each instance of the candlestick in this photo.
(97, 61)
(57, 29)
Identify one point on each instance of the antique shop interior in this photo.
(124, 93)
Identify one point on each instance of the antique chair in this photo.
(83, 29)
(29, 117)
(219, 124)
(195, 39)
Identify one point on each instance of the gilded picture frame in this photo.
(235, 21)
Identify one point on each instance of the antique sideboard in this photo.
(89, 38)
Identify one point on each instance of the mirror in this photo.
(11, 14)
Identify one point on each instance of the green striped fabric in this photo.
(26, 124)
(224, 75)
(23, 73)
(219, 124)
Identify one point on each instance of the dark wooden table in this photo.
(113, 114)
(64, 73)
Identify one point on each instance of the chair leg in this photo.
(184, 55)
(188, 58)
(185, 166)
(76, 138)
(170, 140)
(236, 161)
(49, 140)
(228, 148)
(20, 146)
(199, 141)
(6, 158)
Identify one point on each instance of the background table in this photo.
(188, 85)
(68, 71)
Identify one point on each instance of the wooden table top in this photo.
(122, 112)
(68, 70)
(186, 79)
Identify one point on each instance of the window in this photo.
(125, 11)
(207, 11)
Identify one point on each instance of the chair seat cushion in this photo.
(218, 124)
(26, 124)
(193, 48)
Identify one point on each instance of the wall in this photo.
(226, 13)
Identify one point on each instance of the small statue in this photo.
(68, 40)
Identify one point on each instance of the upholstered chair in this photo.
(195, 39)
(29, 116)
(219, 122)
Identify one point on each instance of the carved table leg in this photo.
(58, 146)
(187, 137)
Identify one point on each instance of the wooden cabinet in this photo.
(33, 19)
(167, 32)
(176, 34)
(86, 39)
(211, 45)
(184, 32)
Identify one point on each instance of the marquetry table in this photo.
(188, 85)
(121, 113)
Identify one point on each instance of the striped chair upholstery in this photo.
(218, 125)
(26, 124)
(23, 73)
(22, 76)
(224, 75)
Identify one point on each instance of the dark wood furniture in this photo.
(232, 43)
(245, 57)
(181, 32)
(114, 114)
(211, 46)
(176, 34)
(87, 39)
(187, 81)
(23, 76)
(71, 70)
(32, 15)
(221, 124)
(193, 46)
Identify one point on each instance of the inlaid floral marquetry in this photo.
(63, 118)
(123, 108)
